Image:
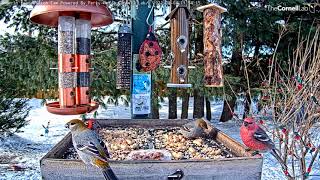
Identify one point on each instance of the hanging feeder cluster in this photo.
(212, 35)
(124, 57)
(179, 23)
(74, 23)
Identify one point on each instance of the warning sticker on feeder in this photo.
(141, 94)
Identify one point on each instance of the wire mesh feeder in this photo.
(124, 58)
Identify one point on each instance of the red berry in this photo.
(309, 145)
(309, 169)
(284, 130)
(261, 121)
(297, 137)
(286, 172)
(299, 87)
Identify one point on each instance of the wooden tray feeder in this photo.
(212, 35)
(124, 57)
(179, 22)
(74, 23)
(54, 166)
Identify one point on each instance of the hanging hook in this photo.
(149, 15)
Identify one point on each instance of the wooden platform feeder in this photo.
(212, 35)
(179, 22)
(54, 167)
(74, 23)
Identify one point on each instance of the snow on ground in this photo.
(28, 147)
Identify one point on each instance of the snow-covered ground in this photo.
(26, 148)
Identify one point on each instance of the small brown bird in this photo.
(198, 128)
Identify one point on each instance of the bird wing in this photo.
(91, 150)
(104, 147)
(93, 146)
(262, 136)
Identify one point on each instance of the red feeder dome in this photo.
(74, 20)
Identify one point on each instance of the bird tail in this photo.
(275, 154)
(109, 174)
(282, 163)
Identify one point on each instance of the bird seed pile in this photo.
(121, 141)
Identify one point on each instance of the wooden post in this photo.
(179, 24)
(212, 44)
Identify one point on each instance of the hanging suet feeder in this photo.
(179, 22)
(74, 23)
(124, 57)
(212, 35)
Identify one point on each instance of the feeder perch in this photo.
(179, 46)
(124, 57)
(74, 22)
(212, 35)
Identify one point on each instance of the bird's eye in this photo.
(72, 123)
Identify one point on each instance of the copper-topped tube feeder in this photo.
(74, 21)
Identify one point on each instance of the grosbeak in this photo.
(198, 128)
(90, 148)
(255, 138)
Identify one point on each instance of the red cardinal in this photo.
(255, 138)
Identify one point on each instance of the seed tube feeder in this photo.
(179, 46)
(74, 22)
(212, 44)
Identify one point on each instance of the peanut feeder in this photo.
(74, 22)
(212, 44)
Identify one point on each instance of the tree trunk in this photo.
(185, 104)
(198, 104)
(155, 108)
(173, 104)
(208, 109)
(227, 113)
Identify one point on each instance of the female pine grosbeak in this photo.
(90, 148)
(198, 128)
(255, 138)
